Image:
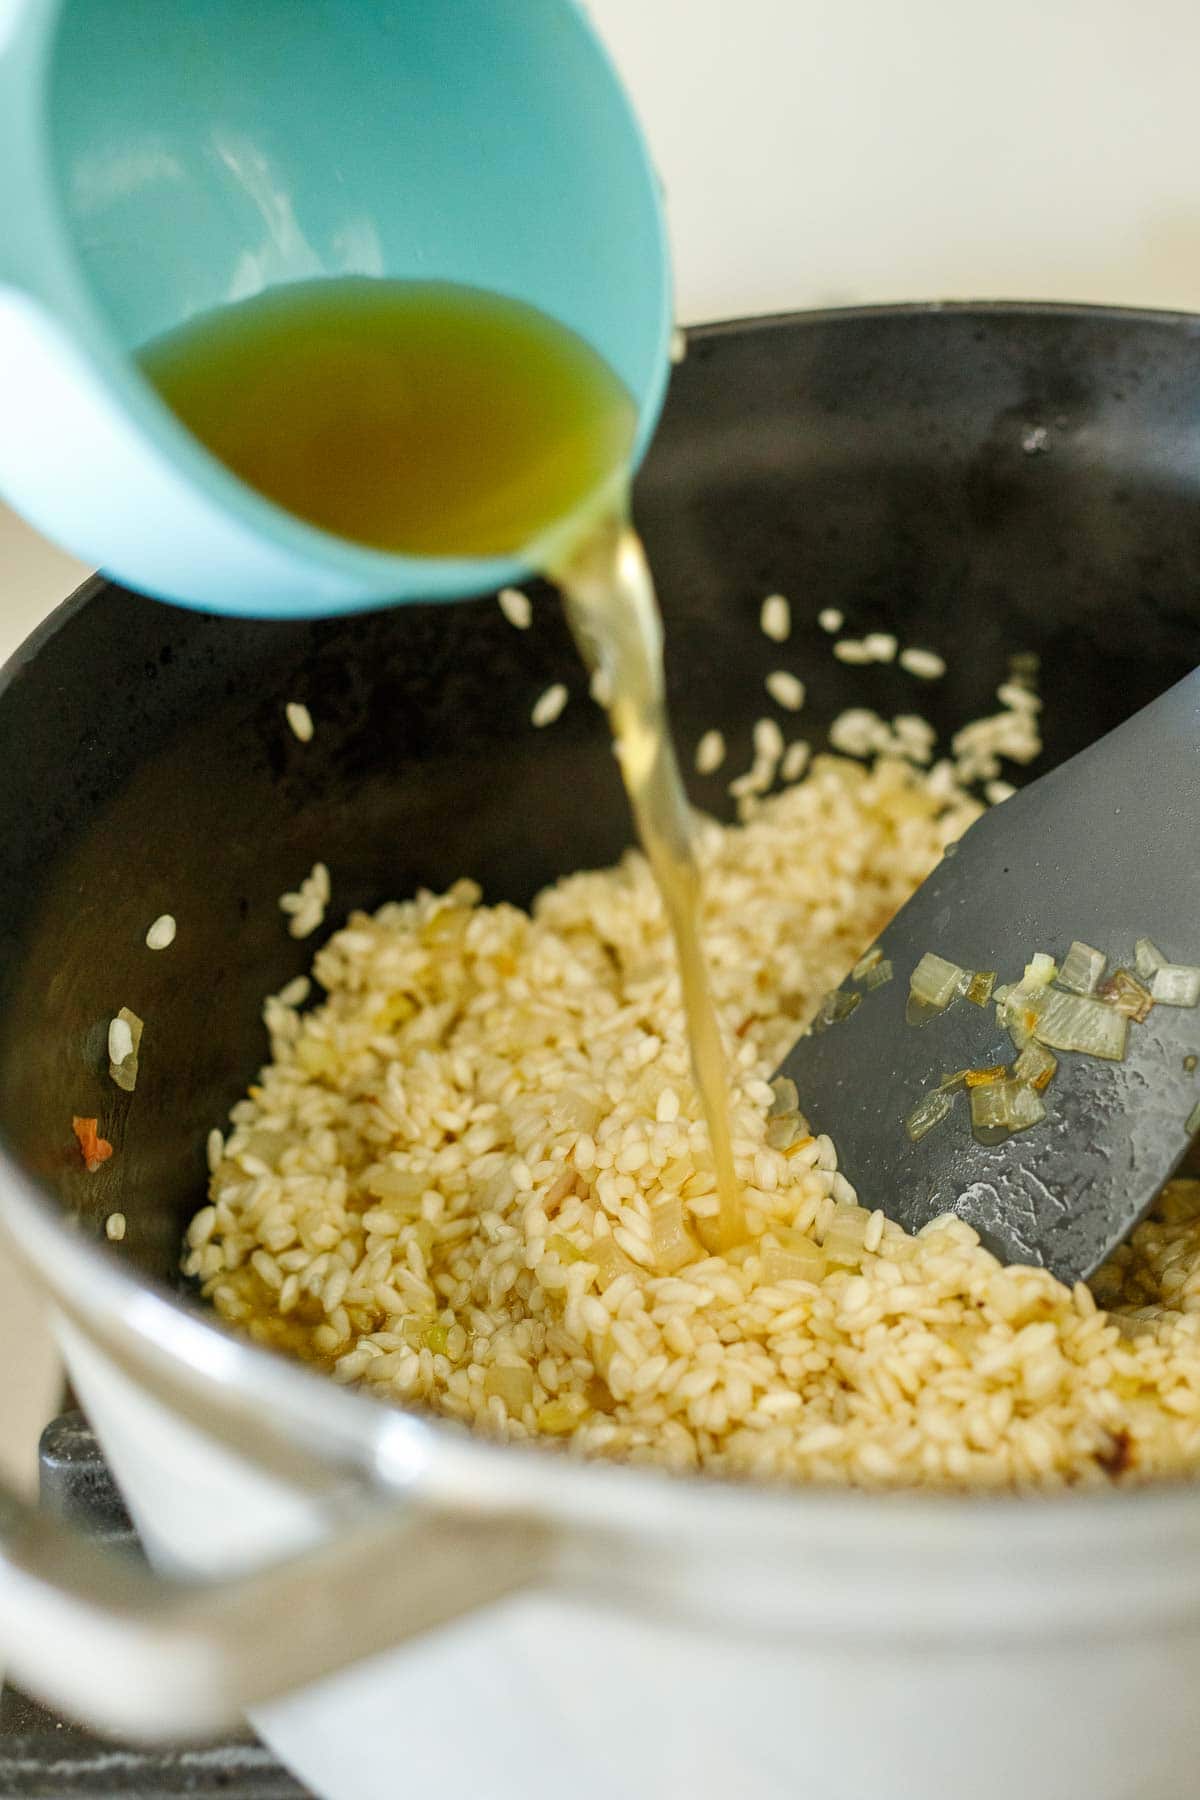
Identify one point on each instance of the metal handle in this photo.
(142, 1655)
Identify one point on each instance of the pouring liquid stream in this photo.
(435, 419)
(613, 611)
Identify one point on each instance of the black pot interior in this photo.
(981, 481)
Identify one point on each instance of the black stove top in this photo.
(48, 1757)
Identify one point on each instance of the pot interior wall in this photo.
(978, 481)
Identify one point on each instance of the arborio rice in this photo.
(474, 1178)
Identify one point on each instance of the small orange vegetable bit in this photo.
(95, 1149)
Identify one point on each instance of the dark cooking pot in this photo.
(979, 479)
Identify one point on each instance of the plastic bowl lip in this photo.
(355, 577)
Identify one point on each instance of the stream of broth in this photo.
(433, 419)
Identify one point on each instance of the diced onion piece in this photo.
(399, 1190)
(990, 1107)
(786, 1130)
(671, 1244)
(1035, 1067)
(1192, 1122)
(976, 1078)
(1126, 993)
(1025, 1106)
(1002, 1107)
(935, 981)
(560, 1416)
(950, 1084)
(979, 988)
(1039, 973)
(513, 1386)
(1176, 984)
(610, 1260)
(1020, 1014)
(1147, 957)
(1077, 1022)
(557, 1244)
(844, 1239)
(787, 1097)
(794, 1258)
(929, 1111)
(124, 1036)
(866, 963)
(834, 1008)
(879, 976)
(1082, 969)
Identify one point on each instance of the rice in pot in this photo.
(475, 1178)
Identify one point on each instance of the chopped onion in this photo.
(1025, 1107)
(793, 1258)
(1082, 969)
(1035, 1067)
(787, 1097)
(928, 1112)
(844, 1239)
(1002, 1107)
(1077, 1022)
(990, 1107)
(671, 1244)
(950, 1084)
(1039, 973)
(976, 1078)
(513, 1386)
(1176, 984)
(935, 981)
(559, 1416)
(1127, 994)
(834, 1008)
(865, 964)
(786, 1130)
(1019, 1015)
(979, 988)
(1192, 1122)
(125, 1036)
(609, 1259)
(1147, 957)
(879, 976)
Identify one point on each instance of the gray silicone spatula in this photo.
(1105, 850)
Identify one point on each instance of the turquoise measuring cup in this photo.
(157, 161)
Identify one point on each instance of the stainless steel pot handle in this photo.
(156, 1658)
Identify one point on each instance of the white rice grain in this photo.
(300, 720)
(517, 607)
(926, 665)
(786, 689)
(710, 753)
(549, 705)
(162, 933)
(775, 618)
